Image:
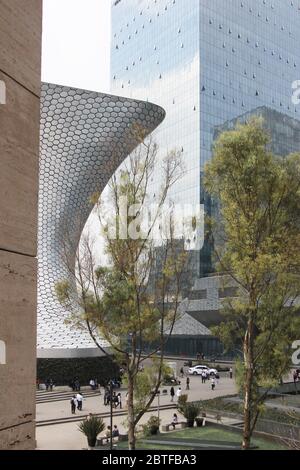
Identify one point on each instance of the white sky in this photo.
(76, 43)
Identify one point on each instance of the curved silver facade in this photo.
(85, 136)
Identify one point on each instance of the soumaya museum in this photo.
(126, 343)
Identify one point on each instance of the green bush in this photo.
(63, 370)
(190, 411)
(182, 400)
(152, 426)
(91, 427)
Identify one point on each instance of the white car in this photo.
(197, 370)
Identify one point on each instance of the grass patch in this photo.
(216, 434)
(208, 433)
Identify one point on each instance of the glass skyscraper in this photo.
(207, 62)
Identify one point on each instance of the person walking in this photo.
(119, 404)
(51, 384)
(181, 372)
(187, 383)
(172, 393)
(213, 384)
(72, 385)
(79, 399)
(106, 396)
(115, 400)
(230, 372)
(203, 376)
(73, 402)
(178, 393)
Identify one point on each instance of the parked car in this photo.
(197, 370)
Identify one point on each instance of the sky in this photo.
(76, 43)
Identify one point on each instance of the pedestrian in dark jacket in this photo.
(187, 383)
(73, 402)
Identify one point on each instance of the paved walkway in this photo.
(67, 437)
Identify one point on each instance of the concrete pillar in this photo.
(20, 71)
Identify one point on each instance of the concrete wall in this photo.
(20, 61)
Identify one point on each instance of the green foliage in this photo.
(145, 382)
(116, 313)
(63, 291)
(257, 241)
(117, 302)
(63, 370)
(190, 410)
(91, 427)
(182, 400)
(152, 426)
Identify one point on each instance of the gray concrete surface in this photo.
(67, 436)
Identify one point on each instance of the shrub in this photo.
(152, 426)
(182, 400)
(91, 427)
(190, 411)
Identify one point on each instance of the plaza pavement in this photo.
(66, 436)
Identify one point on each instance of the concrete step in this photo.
(46, 397)
(105, 414)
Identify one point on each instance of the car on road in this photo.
(197, 370)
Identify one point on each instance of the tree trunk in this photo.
(131, 423)
(248, 359)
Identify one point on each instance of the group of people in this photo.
(94, 384)
(205, 376)
(115, 432)
(178, 393)
(116, 398)
(76, 402)
(49, 384)
(75, 384)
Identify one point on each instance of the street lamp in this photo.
(111, 413)
(158, 403)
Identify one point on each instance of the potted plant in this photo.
(190, 411)
(151, 428)
(91, 427)
(199, 422)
